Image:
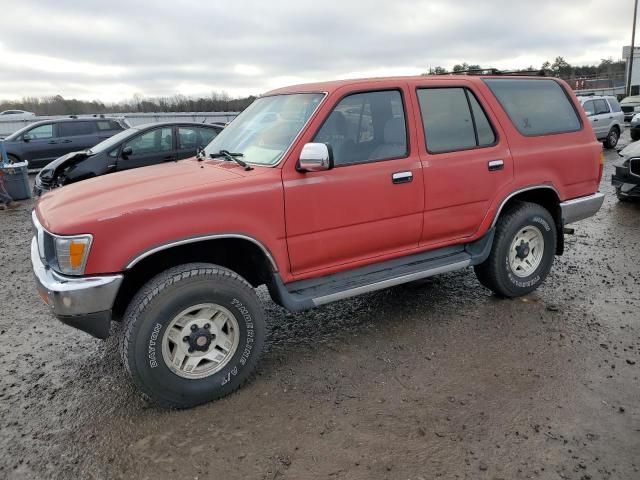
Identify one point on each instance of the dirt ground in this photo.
(435, 379)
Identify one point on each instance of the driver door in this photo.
(148, 148)
(371, 203)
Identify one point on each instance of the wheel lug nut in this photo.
(194, 327)
(186, 339)
(207, 326)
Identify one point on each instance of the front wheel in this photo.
(522, 252)
(635, 134)
(192, 334)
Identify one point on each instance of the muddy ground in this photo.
(435, 379)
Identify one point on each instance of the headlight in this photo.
(636, 109)
(72, 253)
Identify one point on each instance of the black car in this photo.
(626, 180)
(135, 147)
(43, 141)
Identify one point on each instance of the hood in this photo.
(631, 150)
(635, 100)
(51, 169)
(67, 209)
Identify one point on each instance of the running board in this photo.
(306, 294)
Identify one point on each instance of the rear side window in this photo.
(615, 106)
(73, 129)
(536, 107)
(453, 120)
(108, 125)
(601, 107)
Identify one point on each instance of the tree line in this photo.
(558, 68)
(58, 105)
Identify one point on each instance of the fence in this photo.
(10, 125)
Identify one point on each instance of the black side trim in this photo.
(305, 294)
(95, 324)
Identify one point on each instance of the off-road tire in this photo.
(158, 302)
(612, 138)
(495, 272)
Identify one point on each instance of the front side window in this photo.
(154, 141)
(535, 107)
(74, 129)
(194, 137)
(589, 107)
(264, 131)
(601, 107)
(453, 120)
(366, 127)
(43, 131)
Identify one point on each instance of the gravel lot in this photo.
(435, 379)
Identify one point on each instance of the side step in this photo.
(305, 294)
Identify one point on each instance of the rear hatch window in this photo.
(536, 107)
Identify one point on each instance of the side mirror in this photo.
(315, 157)
(26, 137)
(126, 151)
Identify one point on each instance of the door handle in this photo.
(494, 165)
(595, 119)
(402, 177)
(169, 158)
(66, 141)
(52, 142)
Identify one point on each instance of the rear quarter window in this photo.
(615, 106)
(536, 107)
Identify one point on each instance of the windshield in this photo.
(266, 129)
(111, 142)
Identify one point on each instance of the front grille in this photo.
(634, 166)
(627, 109)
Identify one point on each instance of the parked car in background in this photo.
(17, 112)
(630, 106)
(606, 118)
(132, 148)
(44, 141)
(634, 127)
(350, 187)
(626, 179)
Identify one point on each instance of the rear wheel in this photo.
(612, 138)
(522, 252)
(192, 334)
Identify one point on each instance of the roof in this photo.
(143, 126)
(331, 86)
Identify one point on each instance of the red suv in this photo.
(321, 192)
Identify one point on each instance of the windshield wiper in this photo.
(232, 157)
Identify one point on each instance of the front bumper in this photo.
(82, 302)
(581, 207)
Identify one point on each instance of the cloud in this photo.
(110, 50)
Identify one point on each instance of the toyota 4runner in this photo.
(320, 192)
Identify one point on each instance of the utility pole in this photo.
(633, 41)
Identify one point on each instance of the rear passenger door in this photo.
(74, 136)
(465, 159)
(602, 118)
(148, 148)
(191, 138)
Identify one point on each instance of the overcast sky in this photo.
(111, 50)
